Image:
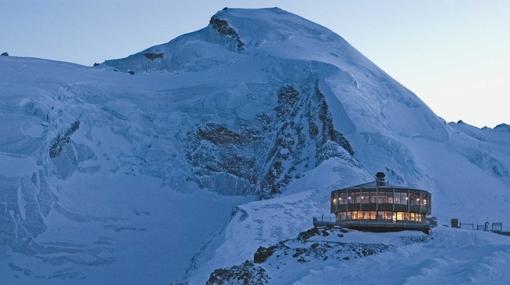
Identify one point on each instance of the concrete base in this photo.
(379, 226)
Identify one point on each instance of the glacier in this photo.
(188, 156)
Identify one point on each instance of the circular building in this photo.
(378, 206)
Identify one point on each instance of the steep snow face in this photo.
(86, 169)
(98, 163)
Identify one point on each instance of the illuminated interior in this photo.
(379, 206)
(380, 215)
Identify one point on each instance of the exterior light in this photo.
(417, 199)
(407, 198)
(349, 198)
(362, 197)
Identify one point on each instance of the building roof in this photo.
(375, 184)
(379, 182)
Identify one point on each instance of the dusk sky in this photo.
(455, 55)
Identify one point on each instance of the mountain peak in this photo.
(272, 31)
(503, 127)
(269, 24)
(290, 48)
(255, 13)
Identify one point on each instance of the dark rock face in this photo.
(222, 27)
(153, 55)
(263, 253)
(297, 112)
(321, 232)
(223, 158)
(62, 139)
(321, 250)
(327, 126)
(219, 135)
(315, 231)
(246, 274)
(5, 54)
(263, 156)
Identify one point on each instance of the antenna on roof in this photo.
(380, 178)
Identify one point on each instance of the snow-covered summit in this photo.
(271, 30)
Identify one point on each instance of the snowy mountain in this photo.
(188, 156)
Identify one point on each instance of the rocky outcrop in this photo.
(224, 29)
(224, 159)
(315, 248)
(220, 135)
(305, 136)
(62, 139)
(263, 253)
(328, 130)
(263, 156)
(245, 274)
(320, 232)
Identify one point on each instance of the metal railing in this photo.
(327, 221)
(495, 227)
(324, 221)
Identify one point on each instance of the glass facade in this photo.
(380, 215)
(342, 198)
(376, 204)
(401, 198)
(370, 197)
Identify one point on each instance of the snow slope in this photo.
(332, 256)
(108, 175)
(449, 257)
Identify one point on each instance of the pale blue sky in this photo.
(455, 55)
